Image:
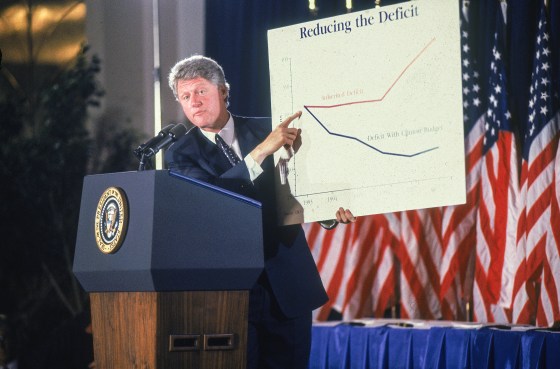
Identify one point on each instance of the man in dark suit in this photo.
(290, 287)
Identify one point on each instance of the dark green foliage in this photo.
(46, 150)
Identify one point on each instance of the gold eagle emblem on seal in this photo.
(111, 220)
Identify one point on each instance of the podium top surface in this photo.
(212, 187)
(181, 235)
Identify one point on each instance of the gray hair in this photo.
(194, 67)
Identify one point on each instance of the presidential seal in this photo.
(111, 220)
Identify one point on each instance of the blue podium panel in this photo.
(182, 235)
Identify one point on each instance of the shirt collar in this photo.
(227, 132)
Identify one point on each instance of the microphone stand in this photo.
(144, 159)
(142, 165)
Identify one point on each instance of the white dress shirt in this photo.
(230, 138)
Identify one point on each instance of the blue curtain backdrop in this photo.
(236, 36)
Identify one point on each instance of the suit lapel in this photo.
(245, 136)
(211, 157)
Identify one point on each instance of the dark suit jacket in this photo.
(289, 265)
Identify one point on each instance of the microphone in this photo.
(173, 135)
(169, 134)
(146, 147)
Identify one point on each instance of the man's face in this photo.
(203, 103)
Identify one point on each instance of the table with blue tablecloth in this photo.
(418, 345)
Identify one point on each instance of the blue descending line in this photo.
(365, 143)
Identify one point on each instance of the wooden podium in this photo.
(168, 262)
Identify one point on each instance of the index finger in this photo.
(289, 120)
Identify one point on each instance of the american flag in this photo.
(419, 255)
(370, 271)
(357, 265)
(537, 179)
(330, 250)
(459, 222)
(552, 266)
(499, 194)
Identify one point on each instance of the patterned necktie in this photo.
(230, 154)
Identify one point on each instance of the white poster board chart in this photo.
(382, 123)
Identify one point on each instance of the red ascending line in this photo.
(386, 93)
